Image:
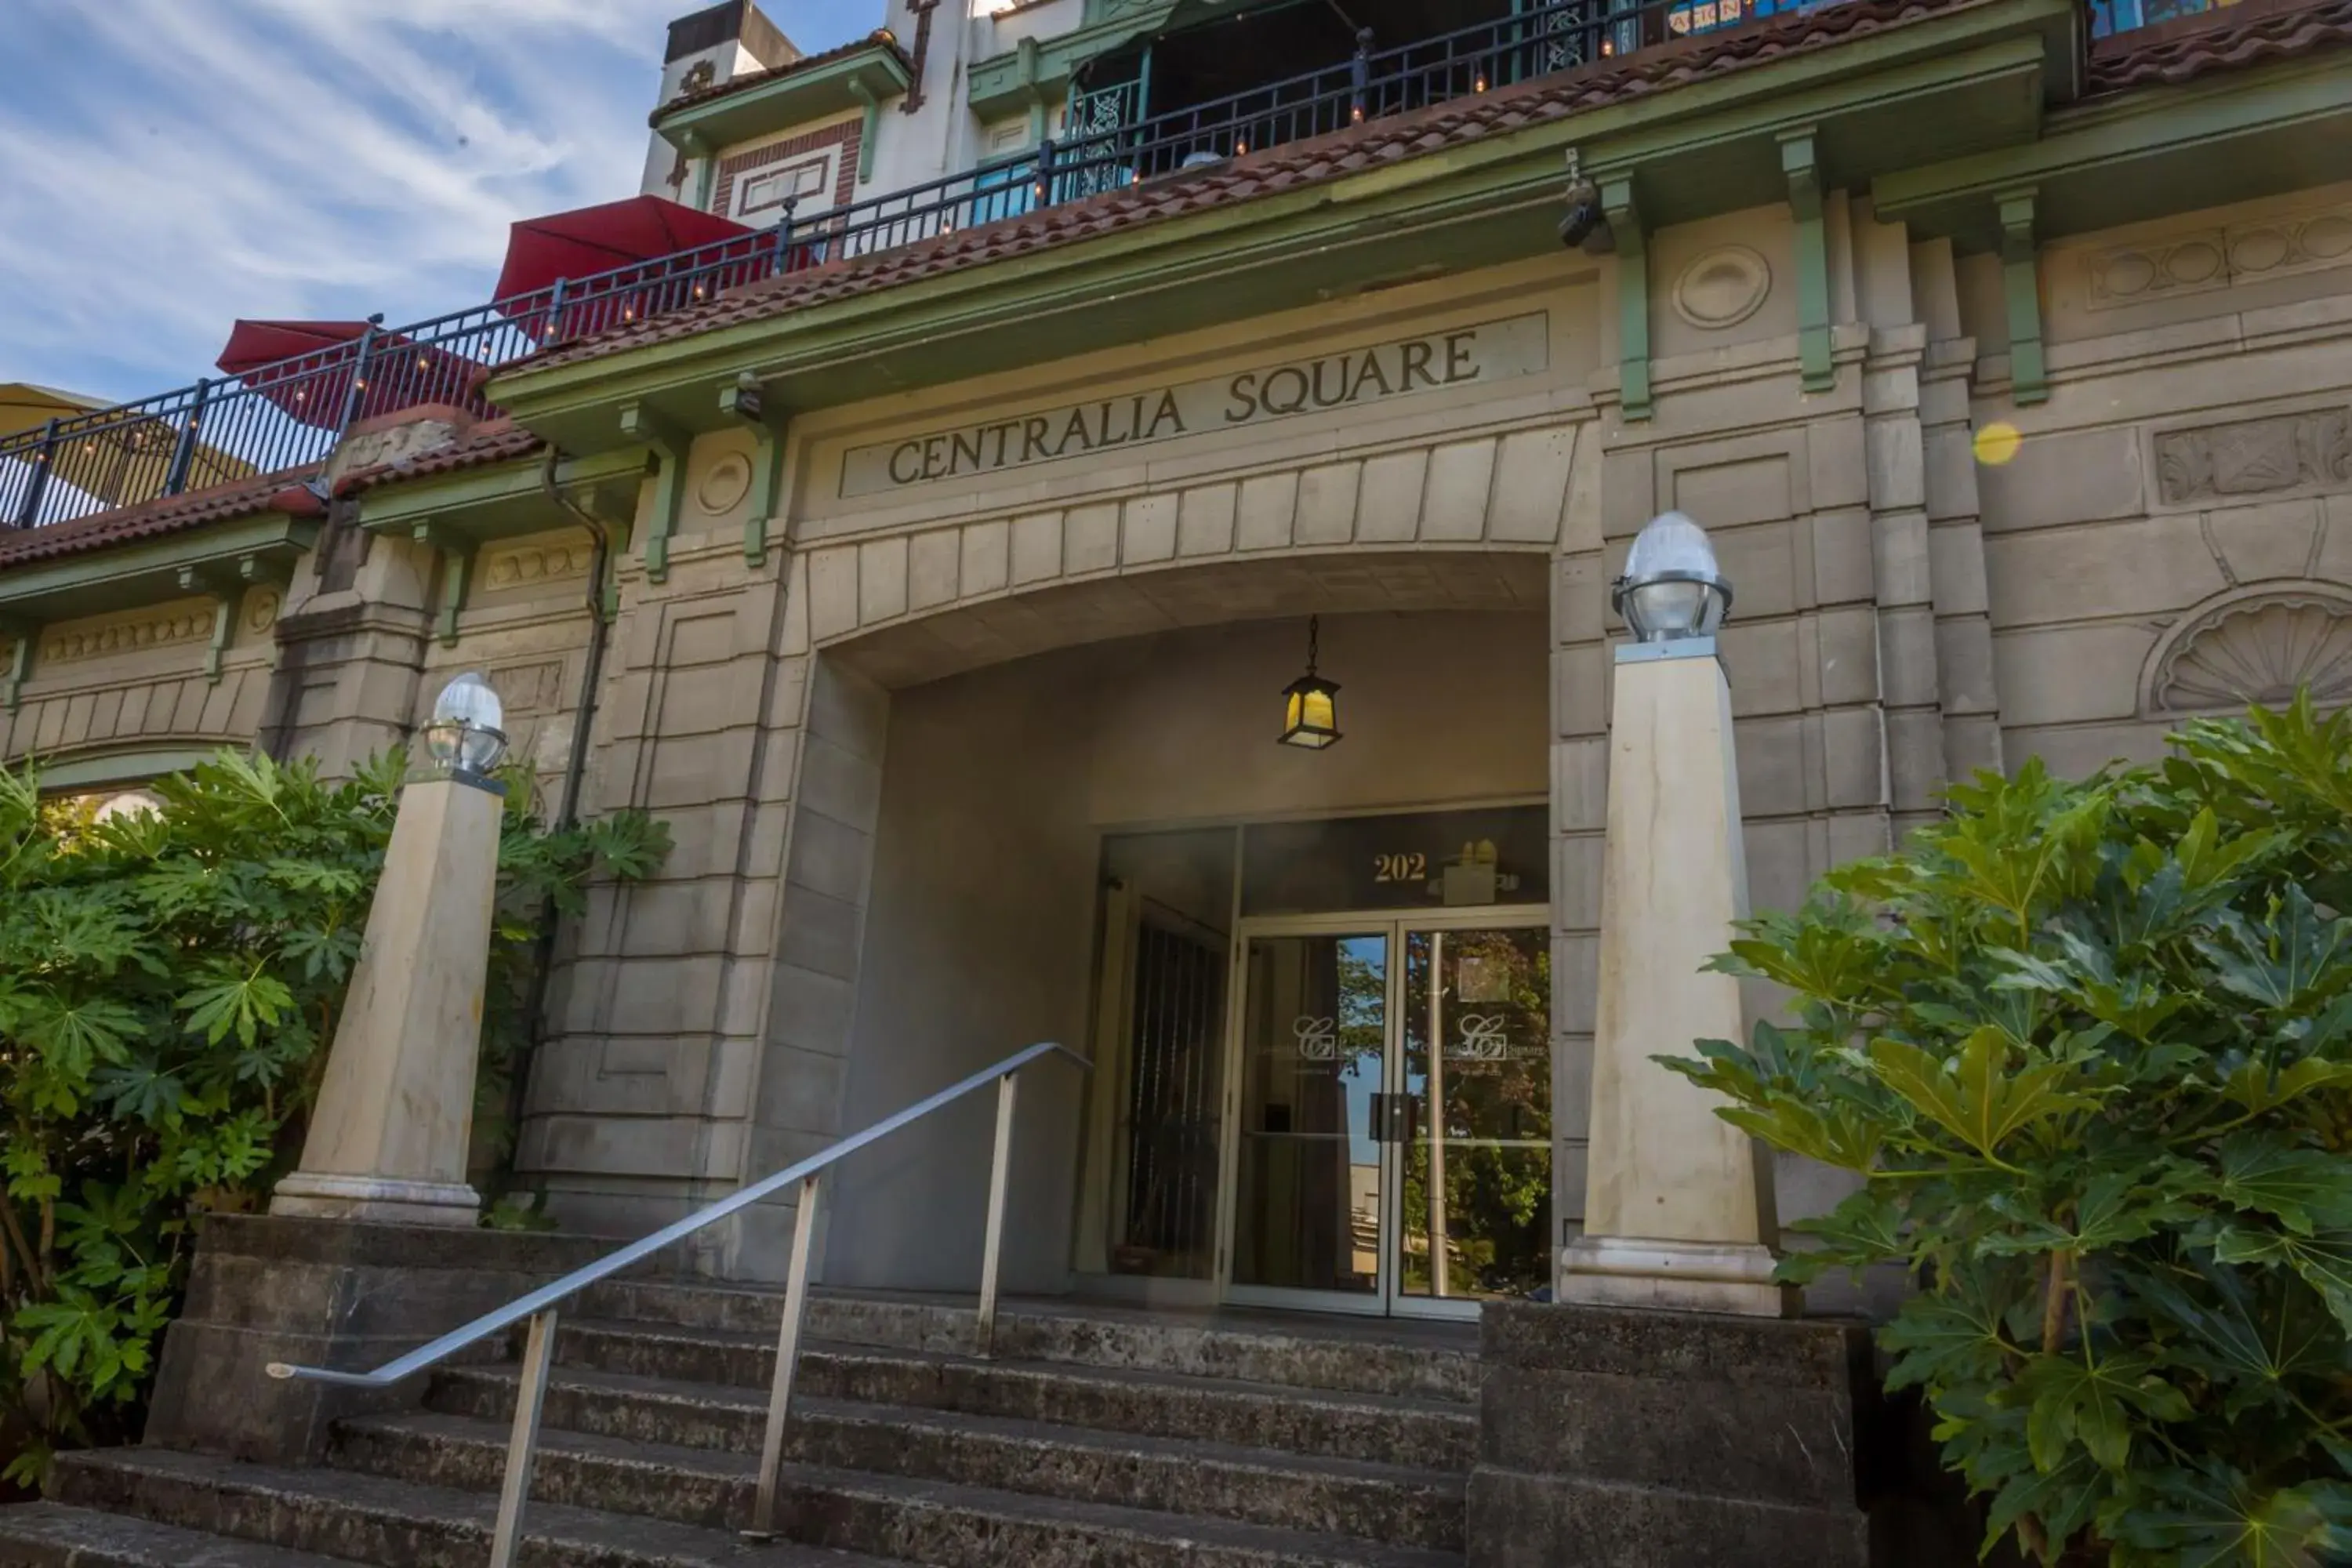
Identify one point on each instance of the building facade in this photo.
(935, 561)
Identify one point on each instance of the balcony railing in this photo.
(290, 414)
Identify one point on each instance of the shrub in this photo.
(169, 982)
(2090, 1044)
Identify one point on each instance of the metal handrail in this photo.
(540, 1306)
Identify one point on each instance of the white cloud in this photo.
(177, 164)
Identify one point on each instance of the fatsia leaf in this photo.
(241, 999)
(1941, 1340)
(2325, 1261)
(2305, 1190)
(2213, 1517)
(2076, 1399)
(2112, 1209)
(2237, 1328)
(2255, 1085)
(2283, 961)
(1982, 1103)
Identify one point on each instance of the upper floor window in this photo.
(804, 183)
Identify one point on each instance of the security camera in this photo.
(1586, 226)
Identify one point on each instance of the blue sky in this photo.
(169, 165)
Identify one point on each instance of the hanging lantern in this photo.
(1310, 715)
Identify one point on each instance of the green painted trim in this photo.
(2130, 128)
(869, 128)
(792, 99)
(642, 424)
(1241, 248)
(23, 636)
(2021, 275)
(126, 767)
(1800, 161)
(226, 583)
(494, 488)
(102, 580)
(767, 493)
(1632, 297)
(456, 553)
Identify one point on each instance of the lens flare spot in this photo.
(1997, 443)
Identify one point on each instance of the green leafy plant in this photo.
(2090, 1045)
(170, 980)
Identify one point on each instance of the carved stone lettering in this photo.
(2256, 457)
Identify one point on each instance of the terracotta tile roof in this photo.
(280, 491)
(2223, 40)
(881, 37)
(1287, 167)
(492, 441)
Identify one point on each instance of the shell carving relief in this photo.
(2255, 457)
(2263, 650)
(1722, 288)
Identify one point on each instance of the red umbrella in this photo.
(305, 369)
(588, 242)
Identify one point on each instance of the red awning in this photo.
(305, 369)
(610, 239)
(589, 240)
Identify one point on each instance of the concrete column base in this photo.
(1678, 1276)
(329, 1293)
(313, 1195)
(1613, 1438)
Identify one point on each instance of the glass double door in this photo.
(1388, 1132)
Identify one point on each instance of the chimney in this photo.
(707, 48)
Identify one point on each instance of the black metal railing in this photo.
(290, 414)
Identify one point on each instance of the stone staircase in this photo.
(1096, 1438)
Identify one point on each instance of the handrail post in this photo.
(1360, 74)
(555, 311)
(522, 1443)
(359, 374)
(28, 511)
(784, 235)
(788, 1360)
(1045, 171)
(992, 1252)
(183, 451)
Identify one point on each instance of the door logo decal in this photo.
(1318, 1038)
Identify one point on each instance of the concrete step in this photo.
(1370, 1355)
(936, 1522)
(1218, 1481)
(52, 1535)
(391, 1523)
(1420, 1433)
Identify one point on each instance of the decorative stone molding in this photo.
(261, 607)
(2209, 258)
(529, 688)
(723, 485)
(178, 623)
(2255, 645)
(1723, 288)
(524, 565)
(2256, 457)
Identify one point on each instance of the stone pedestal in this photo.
(1678, 1203)
(1613, 1438)
(394, 1124)
(332, 1294)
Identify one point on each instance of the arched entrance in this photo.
(1084, 830)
